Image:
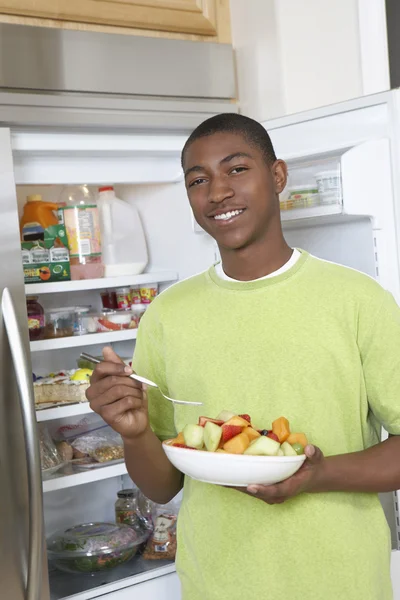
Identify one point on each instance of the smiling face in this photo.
(232, 190)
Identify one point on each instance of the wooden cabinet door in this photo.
(194, 17)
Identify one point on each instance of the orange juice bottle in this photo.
(37, 216)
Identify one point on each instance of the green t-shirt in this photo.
(319, 344)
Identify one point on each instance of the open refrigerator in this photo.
(358, 140)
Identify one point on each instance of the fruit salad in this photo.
(234, 434)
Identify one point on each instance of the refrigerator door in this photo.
(23, 571)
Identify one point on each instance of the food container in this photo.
(111, 321)
(81, 321)
(109, 300)
(93, 547)
(303, 196)
(36, 318)
(123, 298)
(138, 311)
(127, 510)
(328, 183)
(59, 322)
(135, 296)
(148, 293)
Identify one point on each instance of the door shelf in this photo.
(60, 480)
(100, 284)
(311, 213)
(63, 411)
(68, 586)
(78, 341)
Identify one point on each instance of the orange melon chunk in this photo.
(299, 438)
(281, 429)
(237, 444)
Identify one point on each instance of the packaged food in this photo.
(135, 296)
(161, 544)
(102, 445)
(109, 300)
(63, 387)
(303, 196)
(59, 322)
(92, 547)
(35, 318)
(50, 458)
(46, 259)
(79, 214)
(328, 183)
(148, 293)
(123, 298)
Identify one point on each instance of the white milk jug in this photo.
(122, 237)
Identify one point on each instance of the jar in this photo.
(135, 296)
(109, 299)
(35, 318)
(127, 511)
(148, 293)
(123, 298)
(81, 320)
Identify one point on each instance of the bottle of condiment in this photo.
(127, 510)
(35, 318)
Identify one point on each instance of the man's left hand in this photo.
(304, 480)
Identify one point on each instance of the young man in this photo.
(271, 331)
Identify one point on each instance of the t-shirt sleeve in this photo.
(379, 343)
(149, 361)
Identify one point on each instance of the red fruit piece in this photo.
(246, 417)
(273, 436)
(182, 446)
(203, 421)
(109, 325)
(229, 431)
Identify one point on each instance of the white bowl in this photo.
(232, 469)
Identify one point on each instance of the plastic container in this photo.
(81, 321)
(138, 311)
(36, 318)
(329, 189)
(37, 216)
(93, 547)
(148, 293)
(124, 242)
(59, 322)
(80, 215)
(111, 321)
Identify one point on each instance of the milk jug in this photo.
(123, 241)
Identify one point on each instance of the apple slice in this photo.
(263, 446)
(194, 436)
(288, 450)
(225, 415)
(212, 436)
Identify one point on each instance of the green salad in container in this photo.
(93, 547)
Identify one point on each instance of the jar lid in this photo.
(126, 493)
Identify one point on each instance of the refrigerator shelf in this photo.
(60, 480)
(62, 411)
(312, 212)
(78, 341)
(67, 586)
(99, 284)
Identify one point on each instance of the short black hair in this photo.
(251, 130)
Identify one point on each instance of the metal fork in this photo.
(96, 361)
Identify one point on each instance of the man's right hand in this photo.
(118, 399)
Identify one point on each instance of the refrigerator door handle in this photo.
(23, 379)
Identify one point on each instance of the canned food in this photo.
(123, 298)
(148, 293)
(135, 296)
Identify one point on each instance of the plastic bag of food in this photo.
(161, 544)
(49, 455)
(102, 445)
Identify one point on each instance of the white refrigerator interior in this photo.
(358, 141)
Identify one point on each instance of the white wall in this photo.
(294, 56)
